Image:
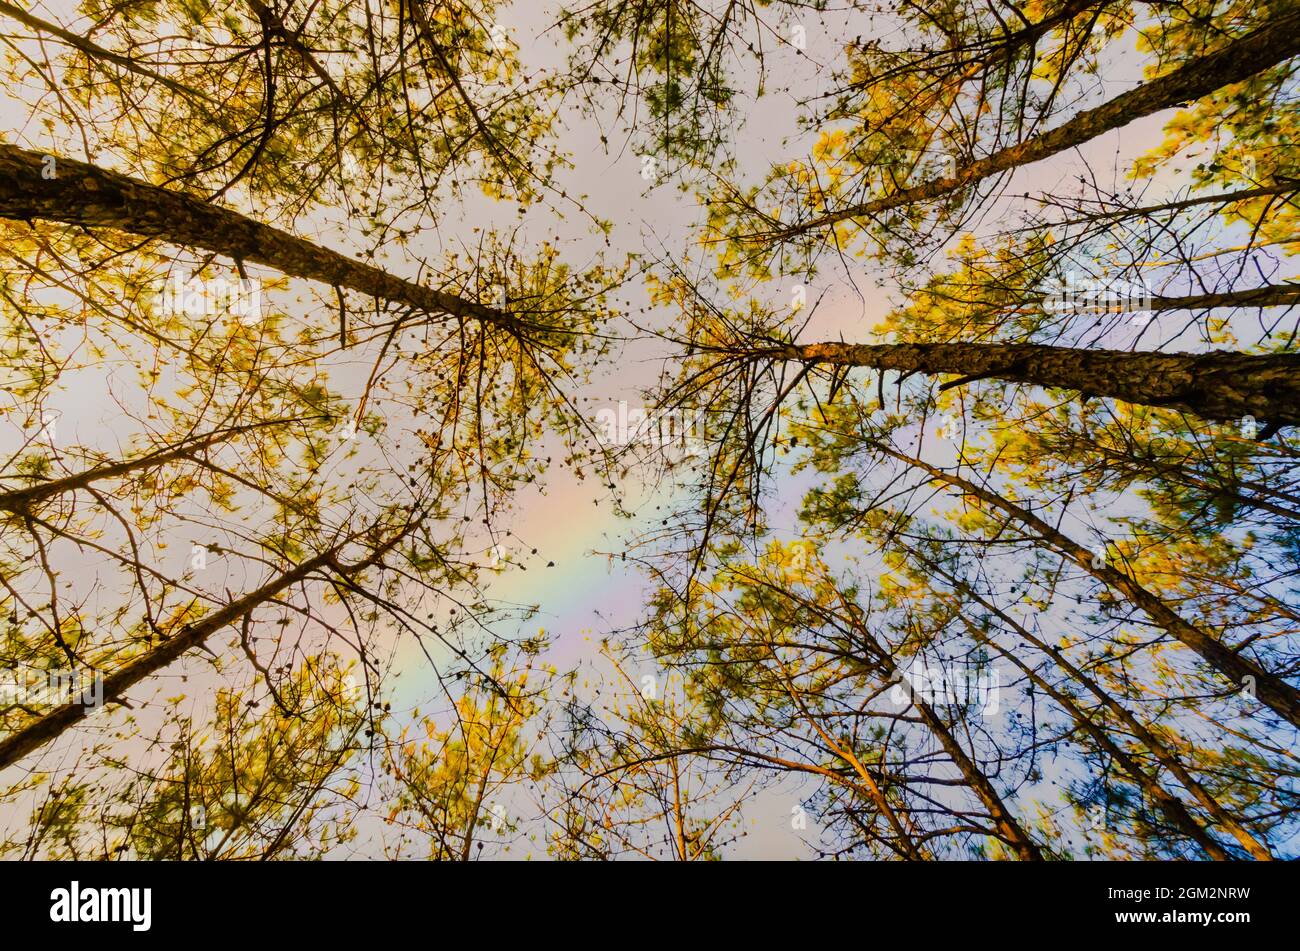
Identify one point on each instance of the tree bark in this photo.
(1220, 385)
(1269, 689)
(1269, 295)
(52, 724)
(92, 197)
(1275, 41)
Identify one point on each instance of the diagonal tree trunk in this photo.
(1172, 807)
(1220, 385)
(877, 658)
(1271, 690)
(1286, 187)
(20, 500)
(1269, 295)
(1168, 803)
(53, 724)
(1274, 42)
(1004, 821)
(92, 197)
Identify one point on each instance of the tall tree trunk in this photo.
(1173, 807)
(92, 197)
(1119, 212)
(1119, 299)
(1221, 385)
(1127, 301)
(20, 500)
(1269, 689)
(1009, 830)
(1274, 42)
(54, 723)
(1167, 802)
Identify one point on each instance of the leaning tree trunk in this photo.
(1004, 821)
(1267, 295)
(1171, 805)
(1269, 689)
(21, 500)
(92, 197)
(1275, 41)
(1221, 385)
(54, 723)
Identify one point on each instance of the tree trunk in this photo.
(1004, 821)
(85, 195)
(1269, 295)
(1168, 803)
(20, 500)
(1220, 385)
(54, 723)
(1269, 689)
(1275, 41)
(1285, 187)
(1173, 807)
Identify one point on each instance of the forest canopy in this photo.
(660, 429)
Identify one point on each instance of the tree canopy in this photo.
(662, 429)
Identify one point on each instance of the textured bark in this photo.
(20, 500)
(1269, 689)
(52, 724)
(1277, 40)
(1173, 807)
(1004, 821)
(1221, 385)
(92, 197)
